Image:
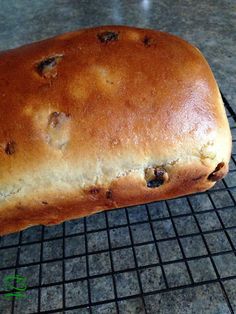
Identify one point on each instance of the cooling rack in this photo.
(175, 256)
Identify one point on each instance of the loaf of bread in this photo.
(102, 118)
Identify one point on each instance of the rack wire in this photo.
(156, 258)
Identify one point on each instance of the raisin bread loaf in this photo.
(102, 118)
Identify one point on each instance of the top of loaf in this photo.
(86, 107)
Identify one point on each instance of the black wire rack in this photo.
(175, 256)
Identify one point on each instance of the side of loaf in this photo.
(102, 118)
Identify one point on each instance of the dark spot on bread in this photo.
(44, 203)
(109, 194)
(198, 178)
(20, 207)
(148, 41)
(48, 67)
(57, 119)
(106, 37)
(58, 130)
(109, 82)
(218, 173)
(10, 148)
(155, 177)
(94, 191)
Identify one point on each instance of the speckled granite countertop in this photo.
(173, 257)
(210, 25)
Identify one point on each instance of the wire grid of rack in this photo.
(176, 256)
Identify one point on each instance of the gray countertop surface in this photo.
(210, 25)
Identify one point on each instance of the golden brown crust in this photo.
(102, 118)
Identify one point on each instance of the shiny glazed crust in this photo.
(102, 118)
